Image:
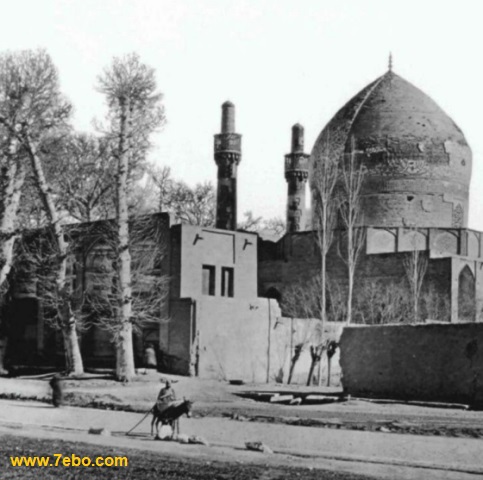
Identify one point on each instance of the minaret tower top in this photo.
(296, 174)
(228, 117)
(227, 157)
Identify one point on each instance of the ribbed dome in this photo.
(416, 159)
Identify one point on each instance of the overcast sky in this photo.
(279, 61)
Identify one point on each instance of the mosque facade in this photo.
(416, 172)
(222, 318)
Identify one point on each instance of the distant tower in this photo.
(296, 174)
(227, 157)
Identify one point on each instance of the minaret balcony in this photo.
(230, 142)
(296, 162)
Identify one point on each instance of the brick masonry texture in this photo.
(416, 160)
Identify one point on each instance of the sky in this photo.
(280, 62)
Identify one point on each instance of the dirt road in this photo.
(383, 455)
(219, 399)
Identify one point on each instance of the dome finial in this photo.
(389, 65)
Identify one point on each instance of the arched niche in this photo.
(412, 240)
(473, 245)
(466, 295)
(381, 241)
(274, 293)
(445, 242)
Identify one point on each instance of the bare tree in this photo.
(149, 278)
(37, 260)
(83, 187)
(11, 180)
(12, 175)
(415, 265)
(382, 301)
(197, 205)
(135, 112)
(162, 180)
(191, 205)
(12, 172)
(324, 207)
(435, 305)
(31, 213)
(194, 206)
(298, 302)
(274, 226)
(250, 223)
(303, 300)
(45, 112)
(352, 176)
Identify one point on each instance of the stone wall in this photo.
(437, 362)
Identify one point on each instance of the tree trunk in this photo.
(125, 355)
(349, 298)
(14, 176)
(290, 373)
(294, 360)
(11, 191)
(329, 364)
(350, 266)
(316, 355)
(125, 370)
(3, 351)
(71, 343)
(311, 372)
(324, 298)
(74, 362)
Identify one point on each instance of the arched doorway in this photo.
(272, 292)
(466, 296)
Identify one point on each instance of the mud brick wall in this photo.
(436, 362)
(286, 333)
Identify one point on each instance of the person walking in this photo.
(57, 391)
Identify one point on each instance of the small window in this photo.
(227, 282)
(208, 280)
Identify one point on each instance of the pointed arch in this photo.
(274, 293)
(466, 295)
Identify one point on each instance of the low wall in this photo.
(233, 337)
(438, 362)
(287, 333)
(250, 341)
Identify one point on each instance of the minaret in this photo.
(296, 174)
(227, 157)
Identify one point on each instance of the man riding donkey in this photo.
(166, 397)
(167, 409)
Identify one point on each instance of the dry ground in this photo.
(213, 398)
(144, 465)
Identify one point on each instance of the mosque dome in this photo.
(416, 160)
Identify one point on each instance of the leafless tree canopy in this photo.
(135, 112)
(350, 208)
(415, 265)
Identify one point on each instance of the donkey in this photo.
(170, 416)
